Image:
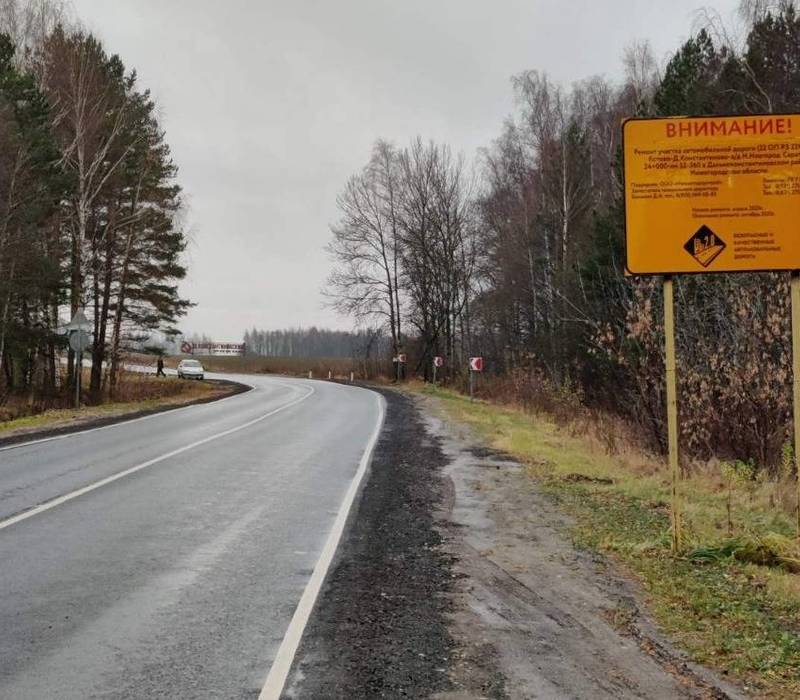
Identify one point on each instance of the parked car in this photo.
(190, 369)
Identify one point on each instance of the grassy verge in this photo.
(150, 393)
(727, 612)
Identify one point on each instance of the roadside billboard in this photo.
(712, 194)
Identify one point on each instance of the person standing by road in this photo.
(160, 368)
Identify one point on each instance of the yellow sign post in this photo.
(796, 386)
(712, 194)
(672, 412)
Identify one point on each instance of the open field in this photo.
(731, 598)
(135, 393)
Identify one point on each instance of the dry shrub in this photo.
(31, 402)
(533, 391)
(734, 365)
(136, 386)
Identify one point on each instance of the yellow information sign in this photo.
(712, 194)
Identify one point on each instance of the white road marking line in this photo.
(53, 503)
(279, 672)
(17, 445)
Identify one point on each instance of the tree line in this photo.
(90, 206)
(315, 342)
(519, 256)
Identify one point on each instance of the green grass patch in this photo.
(740, 617)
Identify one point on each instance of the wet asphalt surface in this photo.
(454, 579)
(177, 580)
(380, 628)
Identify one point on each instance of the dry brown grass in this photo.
(135, 392)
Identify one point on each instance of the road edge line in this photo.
(60, 500)
(282, 665)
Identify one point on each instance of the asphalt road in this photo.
(164, 557)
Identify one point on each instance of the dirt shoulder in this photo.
(61, 422)
(456, 580)
(561, 622)
(726, 598)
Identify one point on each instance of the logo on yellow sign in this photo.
(704, 246)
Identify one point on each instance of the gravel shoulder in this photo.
(456, 580)
(380, 626)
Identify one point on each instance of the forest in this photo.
(519, 256)
(91, 208)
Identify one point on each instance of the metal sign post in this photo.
(78, 378)
(438, 361)
(78, 330)
(78, 341)
(672, 412)
(475, 365)
(402, 359)
(796, 383)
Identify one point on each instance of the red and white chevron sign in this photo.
(476, 364)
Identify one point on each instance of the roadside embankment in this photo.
(731, 599)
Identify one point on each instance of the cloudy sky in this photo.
(269, 105)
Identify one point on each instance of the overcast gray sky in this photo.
(270, 105)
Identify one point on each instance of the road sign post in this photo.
(475, 365)
(438, 361)
(78, 330)
(78, 342)
(78, 378)
(672, 412)
(796, 381)
(712, 194)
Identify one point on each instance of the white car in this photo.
(190, 369)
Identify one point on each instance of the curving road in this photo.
(164, 557)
